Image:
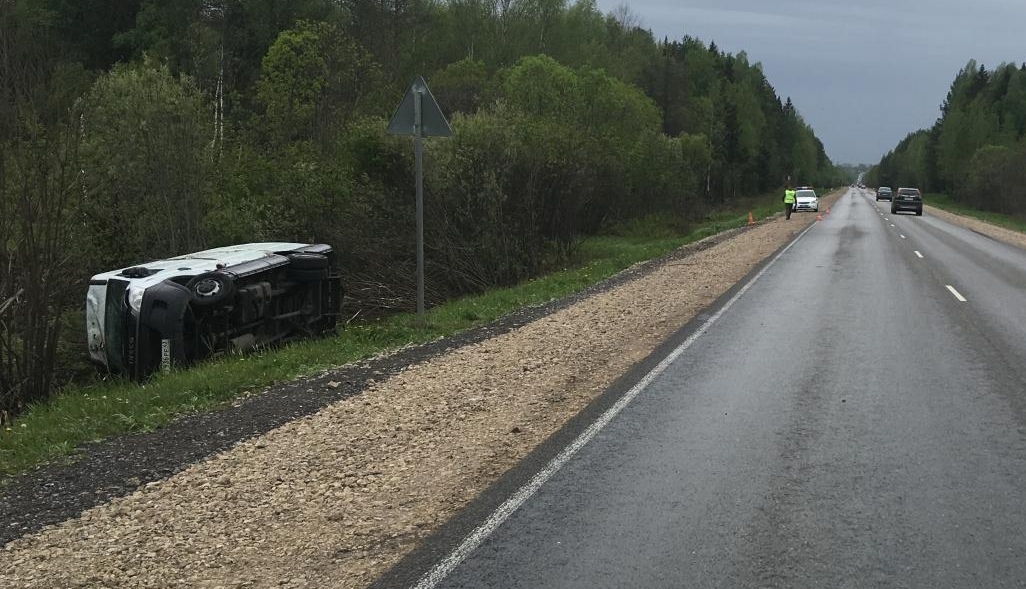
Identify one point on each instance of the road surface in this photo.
(856, 417)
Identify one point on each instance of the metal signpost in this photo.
(418, 115)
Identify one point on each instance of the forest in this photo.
(133, 130)
(976, 151)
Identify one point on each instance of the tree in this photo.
(229, 120)
(91, 31)
(461, 86)
(145, 164)
(314, 79)
(38, 194)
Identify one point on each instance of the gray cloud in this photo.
(863, 73)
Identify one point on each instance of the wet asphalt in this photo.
(847, 422)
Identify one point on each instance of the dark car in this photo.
(231, 299)
(884, 193)
(907, 199)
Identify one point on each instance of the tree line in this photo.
(133, 130)
(976, 151)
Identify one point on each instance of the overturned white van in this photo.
(175, 311)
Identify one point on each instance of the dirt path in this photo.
(336, 498)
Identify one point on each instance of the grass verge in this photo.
(945, 202)
(81, 414)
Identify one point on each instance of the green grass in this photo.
(81, 414)
(945, 202)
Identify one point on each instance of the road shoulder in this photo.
(1001, 234)
(339, 495)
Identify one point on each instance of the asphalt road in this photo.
(847, 421)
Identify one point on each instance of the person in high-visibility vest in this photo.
(789, 198)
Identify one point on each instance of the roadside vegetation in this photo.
(87, 412)
(976, 151)
(144, 129)
(945, 202)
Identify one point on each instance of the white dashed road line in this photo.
(903, 237)
(956, 293)
(919, 254)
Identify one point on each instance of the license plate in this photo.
(165, 355)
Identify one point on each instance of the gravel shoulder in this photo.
(355, 481)
(1008, 236)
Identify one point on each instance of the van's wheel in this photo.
(307, 261)
(211, 288)
(307, 267)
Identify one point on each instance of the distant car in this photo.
(176, 311)
(884, 193)
(907, 199)
(806, 200)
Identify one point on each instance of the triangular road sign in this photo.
(433, 123)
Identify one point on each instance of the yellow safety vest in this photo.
(789, 196)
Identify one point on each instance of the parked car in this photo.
(229, 299)
(884, 193)
(806, 200)
(907, 199)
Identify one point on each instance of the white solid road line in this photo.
(919, 254)
(441, 570)
(956, 293)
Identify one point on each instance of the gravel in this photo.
(1008, 236)
(378, 458)
(117, 467)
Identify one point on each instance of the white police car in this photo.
(805, 199)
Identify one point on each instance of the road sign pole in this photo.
(418, 149)
(419, 115)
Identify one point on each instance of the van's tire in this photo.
(211, 288)
(307, 261)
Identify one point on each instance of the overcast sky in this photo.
(863, 73)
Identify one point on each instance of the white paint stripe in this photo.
(955, 292)
(441, 570)
(903, 237)
(919, 254)
(892, 224)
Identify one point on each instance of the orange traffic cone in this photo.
(819, 217)
(751, 221)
